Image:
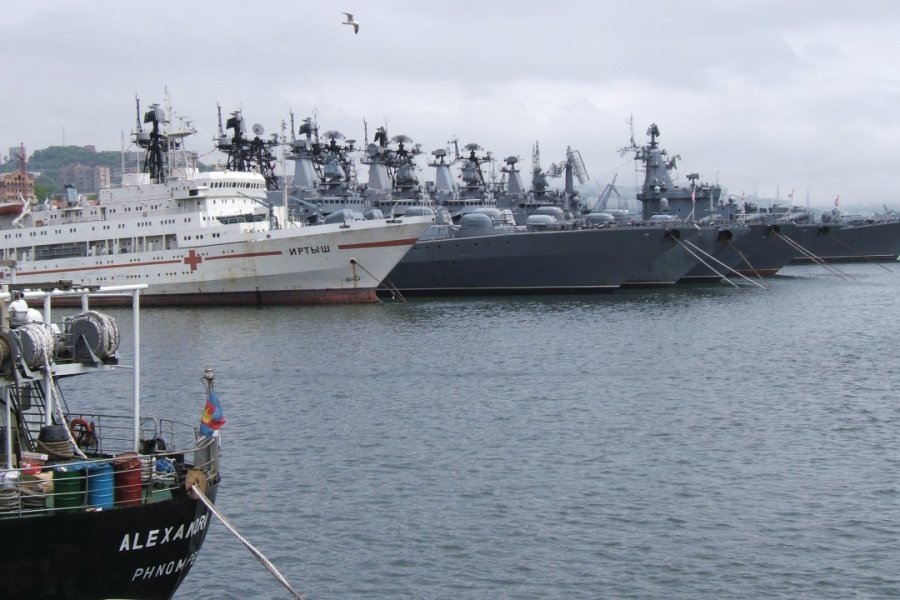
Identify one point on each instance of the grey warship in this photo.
(755, 245)
(393, 184)
(324, 181)
(483, 256)
(488, 253)
(855, 239)
(324, 174)
(690, 245)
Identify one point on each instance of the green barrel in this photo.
(68, 486)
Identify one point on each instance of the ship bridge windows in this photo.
(244, 218)
(60, 251)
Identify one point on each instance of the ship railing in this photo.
(45, 484)
(105, 434)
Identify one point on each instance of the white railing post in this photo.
(135, 311)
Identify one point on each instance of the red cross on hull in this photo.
(193, 259)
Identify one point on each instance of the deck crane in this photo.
(573, 168)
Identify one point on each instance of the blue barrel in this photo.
(100, 488)
(68, 486)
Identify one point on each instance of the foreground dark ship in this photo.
(92, 505)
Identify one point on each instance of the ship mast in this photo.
(153, 142)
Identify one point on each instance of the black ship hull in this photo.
(140, 552)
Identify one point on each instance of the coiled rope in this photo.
(105, 328)
(37, 344)
(72, 444)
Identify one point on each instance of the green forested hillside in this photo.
(54, 158)
(48, 162)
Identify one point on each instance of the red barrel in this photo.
(128, 479)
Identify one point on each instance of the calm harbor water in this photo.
(692, 442)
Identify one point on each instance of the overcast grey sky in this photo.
(764, 95)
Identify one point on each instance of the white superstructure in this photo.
(202, 238)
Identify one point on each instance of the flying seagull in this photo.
(350, 21)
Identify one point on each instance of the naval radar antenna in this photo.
(573, 168)
(245, 154)
(653, 132)
(154, 143)
(222, 141)
(632, 145)
(235, 150)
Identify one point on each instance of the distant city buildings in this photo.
(19, 182)
(14, 153)
(87, 180)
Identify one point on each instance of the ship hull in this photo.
(324, 264)
(770, 247)
(723, 256)
(547, 262)
(761, 252)
(670, 266)
(141, 552)
(869, 242)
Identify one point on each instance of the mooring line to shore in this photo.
(684, 244)
(713, 258)
(816, 259)
(393, 289)
(860, 254)
(259, 555)
(748, 263)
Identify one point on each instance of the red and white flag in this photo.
(837, 201)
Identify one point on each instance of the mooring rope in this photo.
(684, 244)
(725, 277)
(746, 262)
(860, 254)
(259, 555)
(392, 288)
(796, 246)
(763, 286)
